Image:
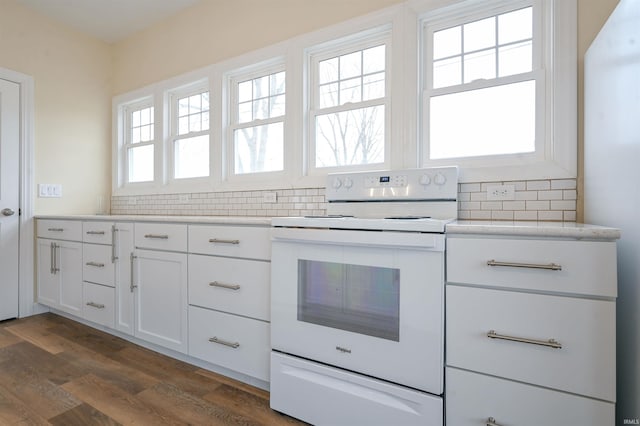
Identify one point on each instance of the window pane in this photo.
(515, 59)
(515, 26)
(245, 91)
(135, 135)
(141, 163)
(373, 59)
(146, 116)
(194, 104)
(329, 95)
(259, 149)
(480, 65)
(245, 112)
(205, 101)
(351, 65)
(205, 120)
(497, 120)
(135, 119)
(350, 91)
(373, 86)
(183, 107)
(183, 125)
(350, 137)
(191, 157)
(277, 83)
(261, 109)
(146, 133)
(277, 106)
(194, 123)
(328, 70)
(447, 72)
(261, 87)
(480, 34)
(447, 43)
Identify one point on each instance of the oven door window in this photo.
(358, 298)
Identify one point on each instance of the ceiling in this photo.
(108, 20)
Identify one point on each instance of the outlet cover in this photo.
(501, 192)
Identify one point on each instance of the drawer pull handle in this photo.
(492, 422)
(55, 229)
(96, 264)
(223, 285)
(217, 240)
(95, 232)
(234, 345)
(550, 266)
(95, 305)
(552, 343)
(157, 236)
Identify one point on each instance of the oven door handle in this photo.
(412, 240)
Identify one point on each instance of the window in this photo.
(257, 128)
(190, 134)
(139, 142)
(484, 86)
(349, 100)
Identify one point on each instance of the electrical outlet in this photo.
(501, 192)
(49, 190)
(269, 197)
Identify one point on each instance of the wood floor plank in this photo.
(193, 410)
(119, 405)
(90, 338)
(83, 415)
(7, 339)
(33, 388)
(260, 393)
(49, 367)
(15, 412)
(39, 336)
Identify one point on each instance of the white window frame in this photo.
(554, 70)
(124, 141)
(172, 131)
(338, 47)
(232, 79)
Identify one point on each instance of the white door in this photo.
(9, 197)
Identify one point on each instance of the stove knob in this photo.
(337, 183)
(439, 179)
(348, 183)
(425, 180)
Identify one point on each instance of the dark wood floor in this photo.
(57, 371)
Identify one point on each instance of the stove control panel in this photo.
(437, 183)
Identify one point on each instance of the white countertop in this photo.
(534, 229)
(220, 220)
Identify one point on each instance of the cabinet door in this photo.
(48, 282)
(69, 262)
(161, 298)
(125, 295)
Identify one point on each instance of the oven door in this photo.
(366, 301)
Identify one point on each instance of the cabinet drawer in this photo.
(585, 364)
(70, 230)
(96, 264)
(161, 236)
(235, 241)
(587, 267)
(97, 232)
(243, 343)
(474, 398)
(238, 286)
(98, 304)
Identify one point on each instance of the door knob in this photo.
(7, 212)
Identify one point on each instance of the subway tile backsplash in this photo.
(549, 200)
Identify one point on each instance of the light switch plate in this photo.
(49, 190)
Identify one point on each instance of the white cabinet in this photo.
(229, 297)
(159, 286)
(59, 270)
(530, 331)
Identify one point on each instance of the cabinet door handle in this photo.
(492, 422)
(54, 250)
(551, 343)
(55, 229)
(223, 285)
(95, 305)
(95, 232)
(132, 258)
(96, 264)
(550, 266)
(220, 241)
(51, 254)
(157, 236)
(234, 345)
(113, 244)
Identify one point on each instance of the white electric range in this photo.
(357, 301)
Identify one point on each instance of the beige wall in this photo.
(76, 76)
(72, 81)
(592, 14)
